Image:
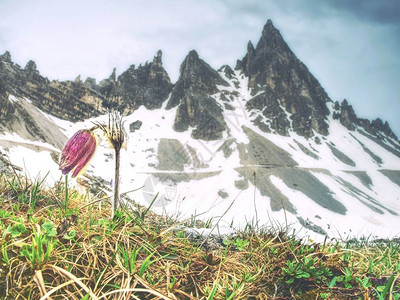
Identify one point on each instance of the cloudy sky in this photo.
(351, 46)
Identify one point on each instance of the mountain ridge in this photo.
(272, 67)
(265, 130)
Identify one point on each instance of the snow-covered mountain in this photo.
(262, 141)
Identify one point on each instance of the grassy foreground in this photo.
(58, 244)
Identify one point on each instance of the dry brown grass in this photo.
(90, 256)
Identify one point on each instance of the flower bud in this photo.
(77, 152)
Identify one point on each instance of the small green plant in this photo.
(306, 267)
(383, 290)
(348, 278)
(49, 229)
(147, 262)
(15, 230)
(4, 214)
(70, 235)
(365, 282)
(129, 257)
(213, 291)
(39, 252)
(4, 254)
(27, 193)
(238, 243)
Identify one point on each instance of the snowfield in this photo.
(210, 185)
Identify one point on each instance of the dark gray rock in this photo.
(287, 84)
(66, 100)
(306, 150)
(262, 152)
(135, 126)
(147, 85)
(308, 184)
(341, 156)
(347, 116)
(196, 108)
(172, 155)
(242, 184)
(363, 177)
(393, 175)
(311, 226)
(365, 199)
(375, 157)
(223, 194)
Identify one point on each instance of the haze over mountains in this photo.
(262, 138)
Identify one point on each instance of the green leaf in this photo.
(70, 235)
(290, 280)
(49, 228)
(16, 230)
(333, 282)
(387, 286)
(213, 292)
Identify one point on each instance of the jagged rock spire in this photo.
(287, 86)
(6, 57)
(157, 61)
(147, 85)
(191, 93)
(271, 40)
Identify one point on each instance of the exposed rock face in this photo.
(349, 119)
(285, 95)
(135, 126)
(67, 100)
(31, 124)
(192, 94)
(282, 84)
(377, 125)
(347, 116)
(148, 85)
(172, 155)
(262, 152)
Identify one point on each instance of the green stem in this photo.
(115, 204)
(66, 195)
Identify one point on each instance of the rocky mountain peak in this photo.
(6, 57)
(271, 39)
(379, 125)
(147, 85)
(31, 66)
(345, 114)
(113, 76)
(61, 99)
(227, 71)
(250, 48)
(31, 71)
(196, 76)
(192, 94)
(157, 61)
(288, 95)
(196, 72)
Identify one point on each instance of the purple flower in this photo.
(77, 152)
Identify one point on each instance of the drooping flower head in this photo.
(77, 152)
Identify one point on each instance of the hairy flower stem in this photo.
(115, 204)
(115, 135)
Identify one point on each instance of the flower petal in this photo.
(82, 143)
(85, 159)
